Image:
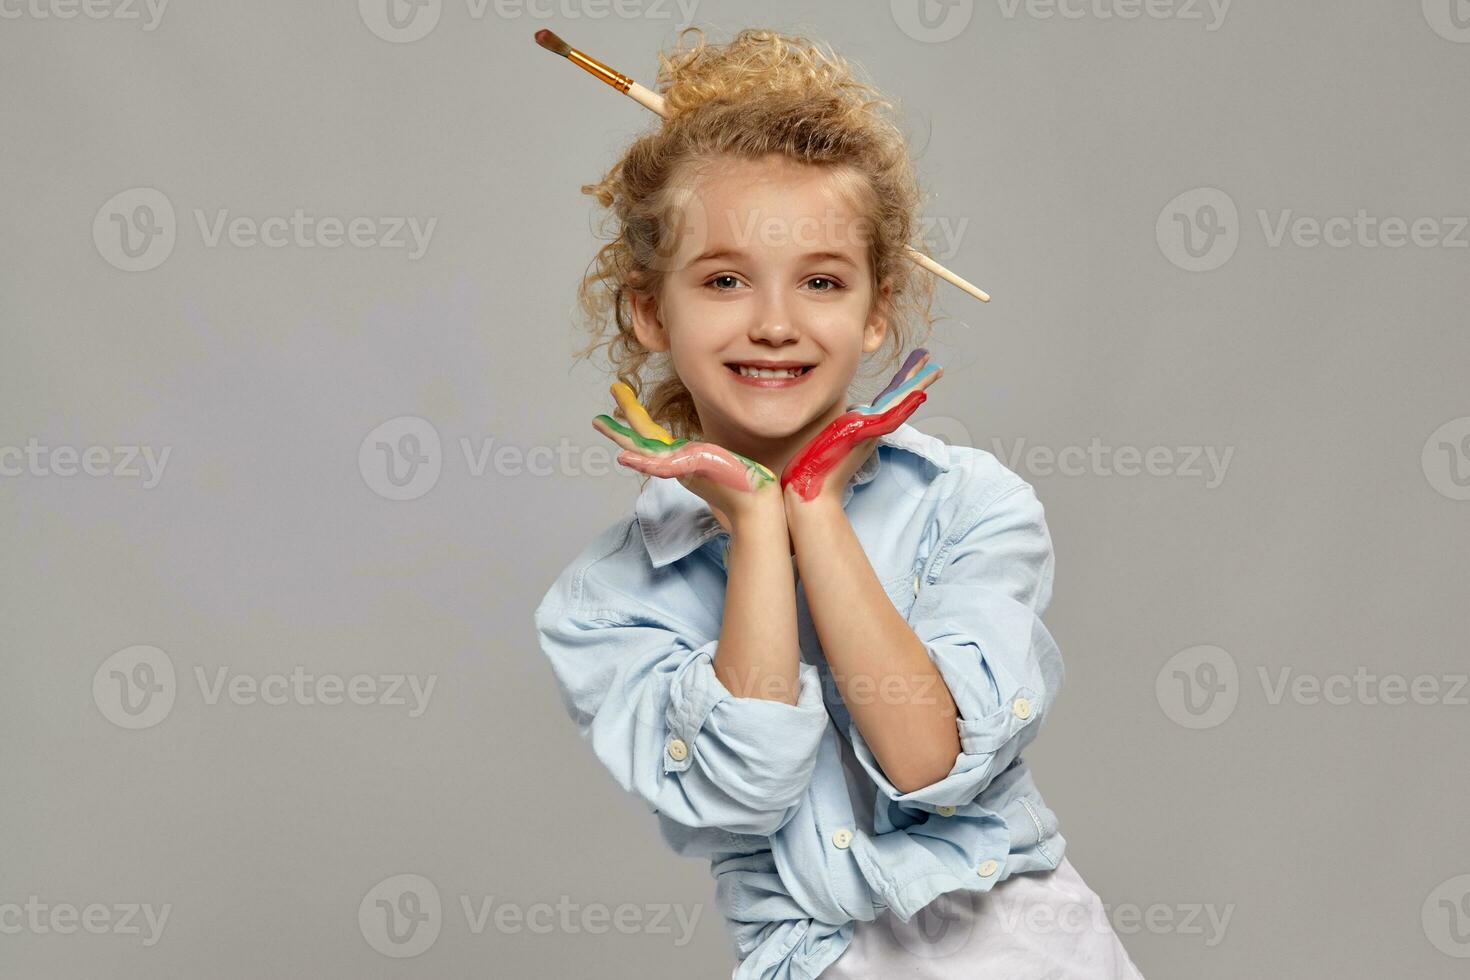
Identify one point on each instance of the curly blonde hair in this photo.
(761, 93)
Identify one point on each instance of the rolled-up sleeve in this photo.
(645, 695)
(980, 621)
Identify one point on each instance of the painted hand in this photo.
(714, 473)
(828, 461)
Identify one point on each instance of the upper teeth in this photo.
(751, 372)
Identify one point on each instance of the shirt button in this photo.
(842, 838)
(946, 811)
(678, 750)
(989, 868)
(916, 585)
(1022, 708)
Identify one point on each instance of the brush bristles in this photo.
(552, 43)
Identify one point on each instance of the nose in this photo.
(773, 324)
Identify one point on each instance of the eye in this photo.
(832, 284)
(724, 277)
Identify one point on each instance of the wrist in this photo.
(763, 512)
(821, 509)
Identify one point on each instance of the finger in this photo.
(808, 470)
(628, 439)
(637, 415)
(919, 365)
(926, 376)
(910, 363)
(759, 468)
(614, 430)
(929, 378)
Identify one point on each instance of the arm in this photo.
(897, 697)
(710, 732)
(759, 650)
(979, 620)
(643, 691)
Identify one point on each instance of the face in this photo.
(771, 270)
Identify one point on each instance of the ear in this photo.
(877, 326)
(648, 327)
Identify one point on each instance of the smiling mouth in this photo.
(770, 374)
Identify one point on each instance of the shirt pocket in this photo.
(904, 585)
(903, 589)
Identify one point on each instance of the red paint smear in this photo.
(808, 469)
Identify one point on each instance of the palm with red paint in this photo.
(832, 456)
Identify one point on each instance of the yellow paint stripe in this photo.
(637, 416)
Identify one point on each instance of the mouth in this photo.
(779, 374)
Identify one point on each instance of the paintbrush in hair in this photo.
(650, 99)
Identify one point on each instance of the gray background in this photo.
(1333, 834)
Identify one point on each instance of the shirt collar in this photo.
(676, 520)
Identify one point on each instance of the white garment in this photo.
(1034, 926)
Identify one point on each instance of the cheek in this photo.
(702, 327)
(838, 329)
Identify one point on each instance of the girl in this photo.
(822, 682)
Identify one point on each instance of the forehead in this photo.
(742, 196)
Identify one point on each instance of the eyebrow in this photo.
(730, 253)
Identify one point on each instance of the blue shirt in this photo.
(803, 830)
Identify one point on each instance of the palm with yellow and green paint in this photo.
(650, 448)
